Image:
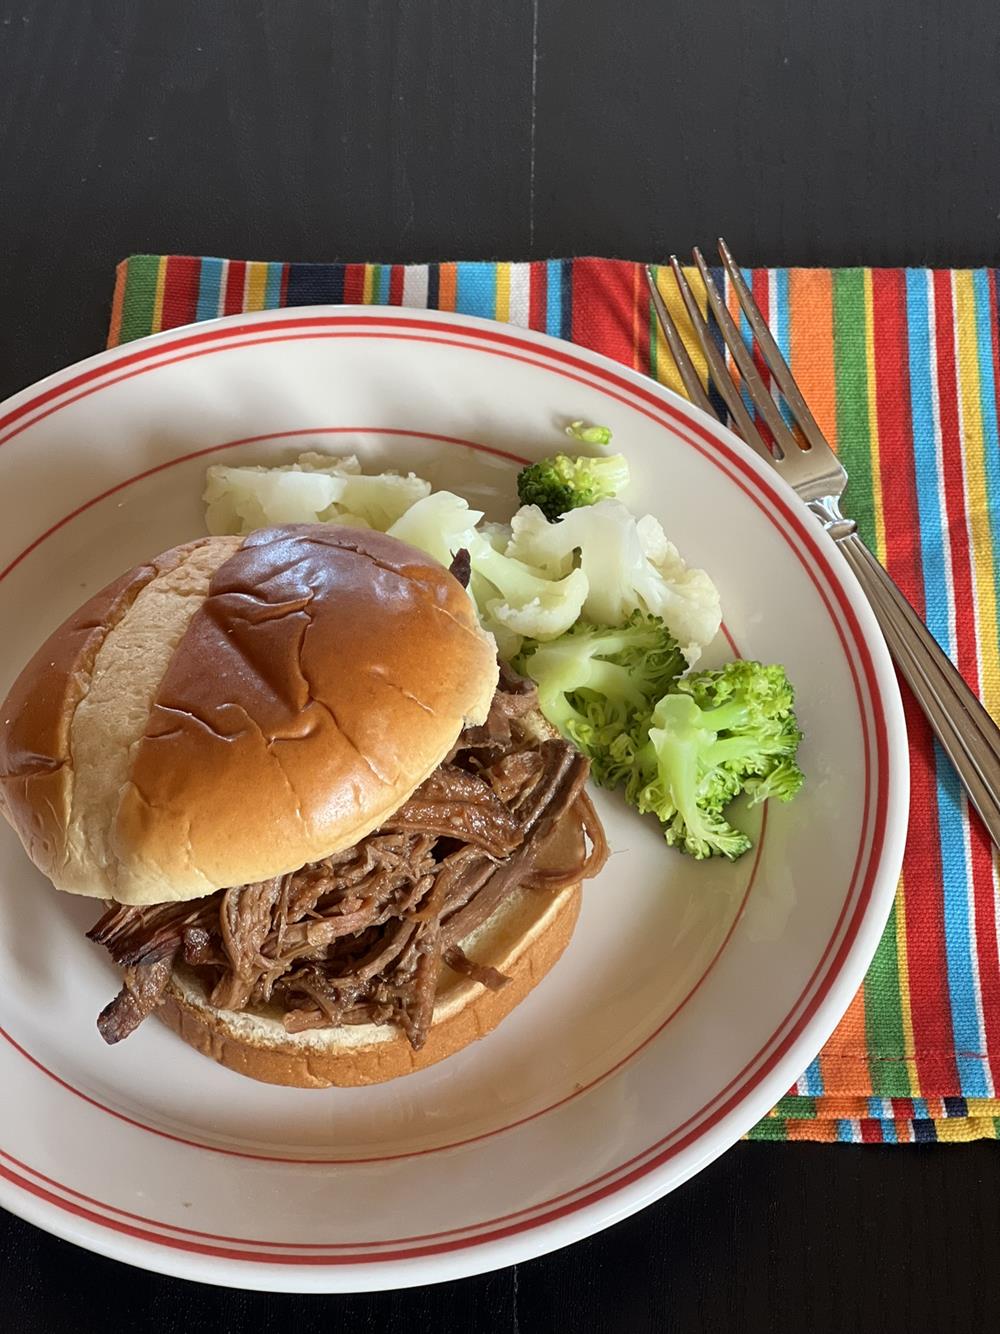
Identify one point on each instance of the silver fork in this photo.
(967, 733)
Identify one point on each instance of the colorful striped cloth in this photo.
(902, 369)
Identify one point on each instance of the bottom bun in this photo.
(523, 939)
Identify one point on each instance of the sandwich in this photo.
(333, 839)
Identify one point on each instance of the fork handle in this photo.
(969, 736)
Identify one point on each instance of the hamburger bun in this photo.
(236, 708)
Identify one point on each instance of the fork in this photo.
(968, 735)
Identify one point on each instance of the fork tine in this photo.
(756, 388)
(776, 362)
(689, 376)
(717, 366)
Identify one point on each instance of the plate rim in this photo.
(655, 1180)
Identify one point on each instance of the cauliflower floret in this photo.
(337, 464)
(497, 534)
(508, 642)
(439, 524)
(687, 600)
(366, 500)
(529, 602)
(380, 500)
(537, 542)
(318, 488)
(514, 599)
(629, 564)
(238, 500)
(653, 539)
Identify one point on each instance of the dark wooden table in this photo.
(808, 132)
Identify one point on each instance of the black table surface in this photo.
(836, 132)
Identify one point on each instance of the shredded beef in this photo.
(461, 566)
(361, 936)
(496, 737)
(244, 924)
(458, 961)
(455, 804)
(197, 946)
(144, 986)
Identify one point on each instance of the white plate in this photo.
(692, 995)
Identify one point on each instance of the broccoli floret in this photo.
(597, 683)
(562, 483)
(717, 734)
(683, 747)
(590, 435)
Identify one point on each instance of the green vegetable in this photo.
(597, 682)
(562, 483)
(717, 734)
(683, 747)
(590, 435)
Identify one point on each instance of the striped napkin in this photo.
(902, 370)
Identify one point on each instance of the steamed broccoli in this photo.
(717, 734)
(597, 682)
(590, 435)
(562, 483)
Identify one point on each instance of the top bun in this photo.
(236, 708)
